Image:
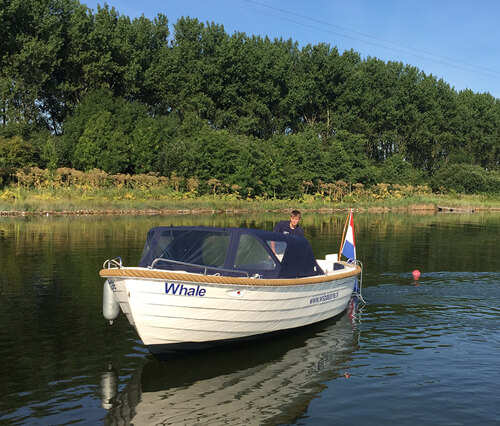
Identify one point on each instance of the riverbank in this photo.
(46, 204)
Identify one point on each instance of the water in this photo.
(419, 352)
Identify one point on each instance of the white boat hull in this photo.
(192, 312)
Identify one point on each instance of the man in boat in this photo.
(290, 227)
(287, 227)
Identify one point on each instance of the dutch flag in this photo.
(349, 247)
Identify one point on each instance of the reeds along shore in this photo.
(68, 191)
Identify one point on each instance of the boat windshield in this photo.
(200, 247)
(251, 255)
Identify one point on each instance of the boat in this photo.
(196, 287)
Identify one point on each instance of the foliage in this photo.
(396, 169)
(72, 191)
(255, 117)
(466, 179)
(14, 153)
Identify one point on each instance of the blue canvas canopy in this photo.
(229, 251)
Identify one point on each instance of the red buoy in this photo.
(416, 274)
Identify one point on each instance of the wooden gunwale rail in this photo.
(218, 279)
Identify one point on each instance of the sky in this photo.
(454, 40)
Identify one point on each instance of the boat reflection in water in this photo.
(271, 381)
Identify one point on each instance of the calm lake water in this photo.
(418, 352)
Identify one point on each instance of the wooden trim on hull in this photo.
(216, 279)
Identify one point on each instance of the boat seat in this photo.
(329, 264)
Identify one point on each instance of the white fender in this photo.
(110, 307)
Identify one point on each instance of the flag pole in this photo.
(343, 233)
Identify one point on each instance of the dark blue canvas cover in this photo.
(229, 251)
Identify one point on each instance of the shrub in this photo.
(464, 178)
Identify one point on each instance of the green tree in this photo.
(478, 128)
(14, 153)
(29, 58)
(98, 134)
(461, 178)
(149, 141)
(395, 169)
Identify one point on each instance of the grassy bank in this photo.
(78, 200)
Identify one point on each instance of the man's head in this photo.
(294, 218)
